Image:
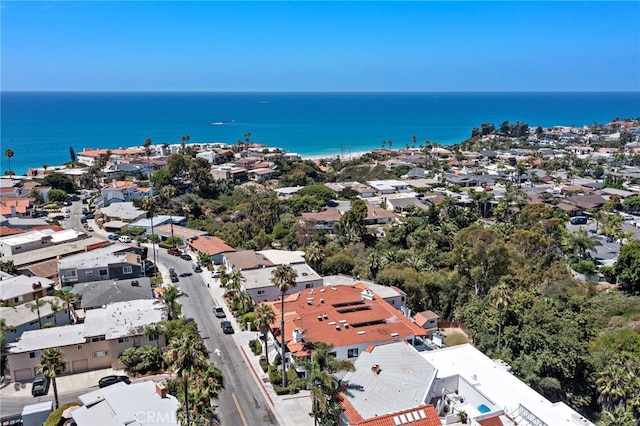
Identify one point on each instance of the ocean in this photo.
(41, 126)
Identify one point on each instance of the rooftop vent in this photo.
(361, 332)
(319, 317)
(322, 290)
(332, 323)
(394, 334)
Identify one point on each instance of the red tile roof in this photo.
(210, 245)
(21, 205)
(423, 317)
(350, 318)
(430, 416)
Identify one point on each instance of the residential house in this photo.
(22, 289)
(230, 172)
(182, 232)
(587, 202)
(122, 191)
(389, 186)
(378, 216)
(112, 262)
(245, 259)
(28, 241)
(389, 387)
(26, 260)
(467, 380)
(325, 219)
(264, 173)
(427, 320)
(118, 216)
(92, 345)
(390, 294)
(349, 317)
(142, 403)
(257, 282)
(212, 246)
(95, 295)
(401, 204)
(16, 206)
(24, 317)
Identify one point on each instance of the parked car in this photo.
(216, 274)
(125, 239)
(219, 312)
(90, 228)
(174, 251)
(174, 278)
(40, 385)
(90, 216)
(111, 380)
(627, 217)
(197, 268)
(185, 256)
(227, 328)
(112, 236)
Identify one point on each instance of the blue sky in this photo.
(320, 46)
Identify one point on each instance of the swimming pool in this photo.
(483, 408)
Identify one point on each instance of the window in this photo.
(352, 353)
(69, 273)
(33, 322)
(261, 292)
(127, 269)
(153, 338)
(89, 273)
(79, 347)
(100, 354)
(97, 339)
(34, 354)
(103, 272)
(309, 285)
(123, 340)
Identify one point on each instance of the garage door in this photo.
(23, 375)
(80, 365)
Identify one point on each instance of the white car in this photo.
(628, 217)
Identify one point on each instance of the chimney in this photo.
(161, 390)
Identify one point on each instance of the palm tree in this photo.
(149, 205)
(263, 317)
(170, 295)
(501, 302)
(35, 306)
(9, 153)
(51, 366)
(581, 242)
(210, 380)
(67, 297)
(314, 254)
(284, 278)
(147, 151)
(186, 355)
(611, 386)
(154, 331)
(184, 140)
(324, 387)
(55, 308)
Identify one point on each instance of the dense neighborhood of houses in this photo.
(404, 373)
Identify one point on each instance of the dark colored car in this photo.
(185, 256)
(219, 312)
(110, 380)
(227, 328)
(40, 386)
(174, 278)
(174, 251)
(90, 216)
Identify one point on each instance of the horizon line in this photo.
(321, 91)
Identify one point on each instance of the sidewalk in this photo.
(288, 409)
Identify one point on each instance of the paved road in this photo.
(241, 402)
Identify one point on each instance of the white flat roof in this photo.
(505, 389)
(403, 382)
(21, 314)
(94, 258)
(20, 285)
(35, 340)
(261, 277)
(124, 318)
(281, 257)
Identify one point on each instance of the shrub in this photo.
(246, 318)
(55, 418)
(256, 346)
(263, 364)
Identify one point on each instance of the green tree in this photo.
(161, 178)
(154, 331)
(627, 267)
(264, 317)
(314, 254)
(185, 356)
(72, 154)
(170, 295)
(67, 297)
(319, 191)
(59, 181)
(580, 242)
(9, 154)
(51, 366)
(57, 195)
(501, 300)
(284, 279)
(4, 328)
(177, 165)
(55, 308)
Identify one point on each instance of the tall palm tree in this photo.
(35, 306)
(149, 204)
(321, 366)
(501, 295)
(263, 317)
(51, 366)
(611, 386)
(284, 278)
(55, 308)
(67, 297)
(9, 153)
(186, 355)
(170, 295)
(184, 140)
(581, 242)
(147, 151)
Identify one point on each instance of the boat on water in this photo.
(220, 123)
